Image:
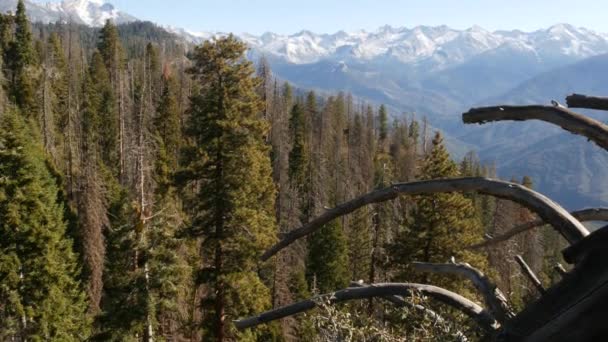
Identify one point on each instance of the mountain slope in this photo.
(564, 166)
(86, 12)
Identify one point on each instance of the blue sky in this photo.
(328, 16)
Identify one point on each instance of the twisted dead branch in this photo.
(485, 320)
(549, 211)
(557, 115)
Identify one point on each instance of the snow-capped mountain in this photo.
(437, 46)
(87, 12)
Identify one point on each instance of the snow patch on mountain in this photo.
(86, 12)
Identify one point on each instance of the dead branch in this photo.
(588, 102)
(585, 215)
(548, 210)
(527, 271)
(476, 312)
(495, 300)
(557, 115)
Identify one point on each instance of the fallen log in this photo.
(549, 211)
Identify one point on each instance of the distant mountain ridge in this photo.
(86, 12)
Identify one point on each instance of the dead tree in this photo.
(571, 310)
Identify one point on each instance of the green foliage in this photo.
(383, 123)
(100, 121)
(235, 204)
(441, 224)
(18, 48)
(298, 156)
(327, 262)
(40, 298)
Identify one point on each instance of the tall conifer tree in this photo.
(40, 297)
(234, 207)
(441, 224)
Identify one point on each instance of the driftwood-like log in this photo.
(588, 102)
(495, 300)
(548, 210)
(527, 271)
(557, 115)
(585, 215)
(474, 311)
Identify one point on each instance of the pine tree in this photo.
(383, 123)
(40, 296)
(22, 59)
(299, 158)
(112, 54)
(440, 225)
(235, 201)
(327, 262)
(167, 125)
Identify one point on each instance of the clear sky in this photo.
(328, 16)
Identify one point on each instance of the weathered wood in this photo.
(474, 311)
(557, 115)
(549, 211)
(527, 271)
(495, 300)
(585, 215)
(588, 102)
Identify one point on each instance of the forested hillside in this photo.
(142, 179)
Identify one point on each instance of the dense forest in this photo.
(141, 179)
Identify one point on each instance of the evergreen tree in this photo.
(22, 58)
(327, 262)
(382, 123)
(299, 158)
(235, 202)
(440, 225)
(40, 297)
(167, 124)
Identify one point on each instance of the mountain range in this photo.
(439, 72)
(86, 12)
